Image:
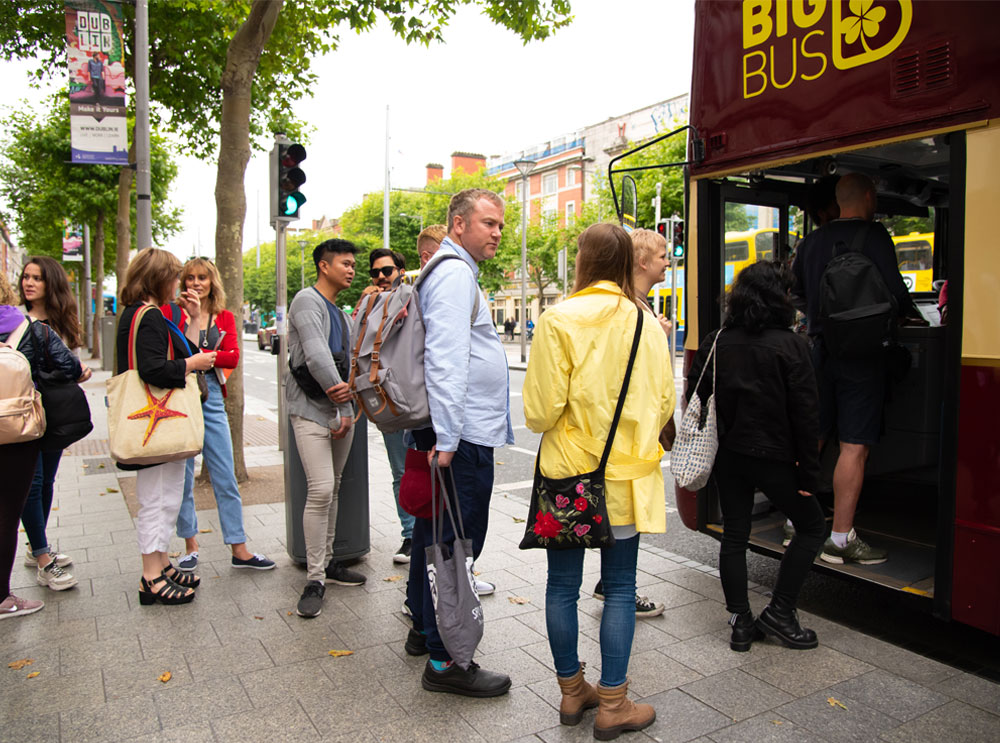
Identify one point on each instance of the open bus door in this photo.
(908, 497)
(627, 211)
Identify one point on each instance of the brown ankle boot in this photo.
(617, 713)
(577, 696)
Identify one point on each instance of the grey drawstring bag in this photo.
(453, 586)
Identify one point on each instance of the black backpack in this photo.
(856, 307)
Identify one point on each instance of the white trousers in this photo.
(323, 460)
(159, 490)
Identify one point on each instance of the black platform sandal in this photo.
(164, 590)
(185, 580)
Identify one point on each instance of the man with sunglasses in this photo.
(386, 266)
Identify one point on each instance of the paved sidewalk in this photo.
(245, 668)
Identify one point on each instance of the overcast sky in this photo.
(481, 90)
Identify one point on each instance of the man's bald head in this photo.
(856, 196)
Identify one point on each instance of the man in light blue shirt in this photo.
(465, 370)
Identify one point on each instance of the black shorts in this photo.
(851, 396)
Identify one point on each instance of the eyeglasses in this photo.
(386, 271)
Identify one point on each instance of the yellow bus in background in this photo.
(750, 246)
(915, 257)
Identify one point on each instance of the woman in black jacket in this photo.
(767, 413)
(152, 279)
(17, 461)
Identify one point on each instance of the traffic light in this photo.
(677, 236)
(661, 229)
(286, 177)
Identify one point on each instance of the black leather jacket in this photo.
(767, 404)
(54, 356)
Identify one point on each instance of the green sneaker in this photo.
(789, 532)
(856, 550)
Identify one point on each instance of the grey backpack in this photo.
(387, 355)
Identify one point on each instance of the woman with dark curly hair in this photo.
(767, 411)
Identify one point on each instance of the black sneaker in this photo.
(644, 608)
(416, 643)
(402, 555)
(472, 683)
(337, 573)
(311, 603)
(256, 562)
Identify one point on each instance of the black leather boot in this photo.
(780, 620)
(744, 632)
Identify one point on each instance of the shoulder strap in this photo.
(176, 316)
(432, 264)
(14, 339)
(857, 243)
(133, 332)
(624, 389)
(709, 359)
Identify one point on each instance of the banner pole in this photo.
(143, 204)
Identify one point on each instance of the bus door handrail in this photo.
(697, 145)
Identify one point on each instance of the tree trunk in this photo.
(242, 59)
(123, 218)
(97, 267)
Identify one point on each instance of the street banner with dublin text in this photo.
(95, 53)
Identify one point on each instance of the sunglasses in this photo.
(386, 271)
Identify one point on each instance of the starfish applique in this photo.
(156, 410)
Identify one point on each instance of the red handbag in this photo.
(415, 487)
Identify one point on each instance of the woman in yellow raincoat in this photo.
(578, 361)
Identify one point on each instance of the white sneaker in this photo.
(13, 606)
(30, 561)
(55, 577)
(484, 588)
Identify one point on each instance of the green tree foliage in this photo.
(670, 150)
(41, 186)
(362, 225)
(905, 225)
(258, 283)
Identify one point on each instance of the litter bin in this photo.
(108, 327)
(353, 537)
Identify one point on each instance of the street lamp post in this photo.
(302, 263)
(524, 167)
(415, 216)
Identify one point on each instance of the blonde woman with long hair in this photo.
(213, 329)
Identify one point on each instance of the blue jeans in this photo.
(617, 621)
(396, 450)
(473, 470)
(218, 454)
(35, 515)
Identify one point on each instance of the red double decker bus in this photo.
(785, 92)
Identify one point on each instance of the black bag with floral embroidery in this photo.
(572, 512)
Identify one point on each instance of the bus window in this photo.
(765, 243)
(737, 250)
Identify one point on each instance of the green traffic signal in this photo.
(289, 177)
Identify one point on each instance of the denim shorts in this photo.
(851, 396)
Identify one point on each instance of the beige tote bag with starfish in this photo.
(151, 425)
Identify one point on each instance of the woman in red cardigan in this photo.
(213, 329)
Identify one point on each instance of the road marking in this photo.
(522, 451)
(514, 485)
